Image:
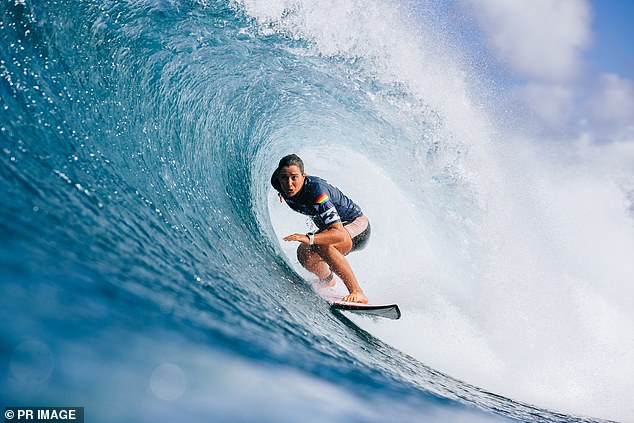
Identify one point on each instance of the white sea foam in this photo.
(515, 272)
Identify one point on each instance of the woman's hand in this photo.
(303, 238)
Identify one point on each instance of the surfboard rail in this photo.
(387, 311)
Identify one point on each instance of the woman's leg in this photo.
(312, 261)
(321, 259)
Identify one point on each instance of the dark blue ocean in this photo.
(141, 268)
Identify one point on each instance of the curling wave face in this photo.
(139, 243)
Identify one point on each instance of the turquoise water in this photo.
(141, 275)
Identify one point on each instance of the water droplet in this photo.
(168, 382)
(31, 366)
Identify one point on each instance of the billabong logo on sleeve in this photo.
(330, 216)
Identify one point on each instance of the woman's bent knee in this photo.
(307, 255)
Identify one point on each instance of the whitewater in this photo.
(142, 269)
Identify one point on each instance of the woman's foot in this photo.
(356, 297)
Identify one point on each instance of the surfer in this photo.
(342, 227)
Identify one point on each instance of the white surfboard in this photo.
(387, 311)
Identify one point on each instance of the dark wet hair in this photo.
(286, 161)
(291, 160)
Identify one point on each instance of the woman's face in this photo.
(291, 180)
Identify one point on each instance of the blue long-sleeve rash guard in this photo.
(324, 203)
